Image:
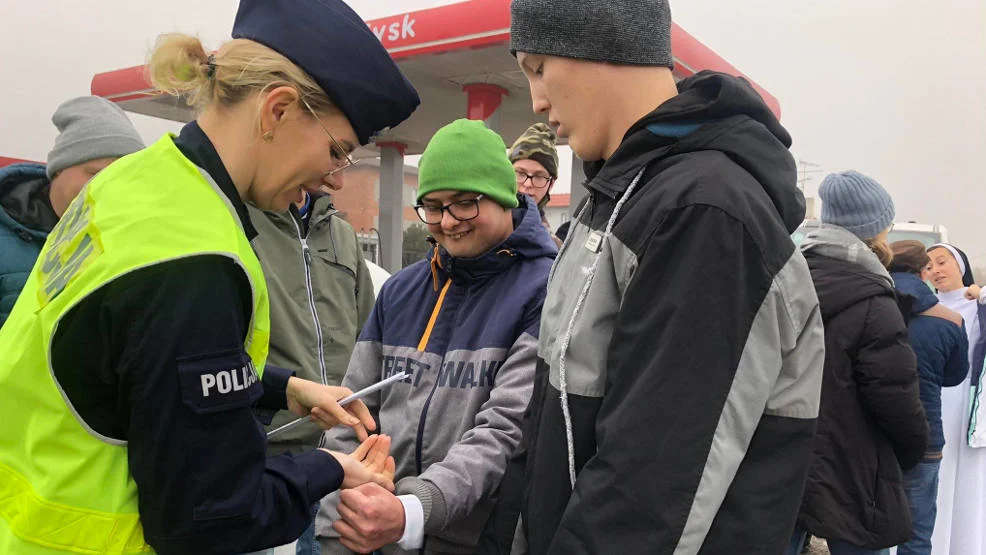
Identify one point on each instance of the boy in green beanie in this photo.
(464, 162)
(463, 324)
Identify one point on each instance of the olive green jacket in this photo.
(320, 297)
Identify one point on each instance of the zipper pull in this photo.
(305, 250)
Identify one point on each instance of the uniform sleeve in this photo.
(173, 336)
(473, 467)
(885, 370)
(677, 415)
(274, 399)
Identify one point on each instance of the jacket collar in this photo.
(321, 209)
(529, 240)
(196, 146)
(24, 203)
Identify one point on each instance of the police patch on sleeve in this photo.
(219, 381)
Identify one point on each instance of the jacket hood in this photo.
(912, 286)
(836, 242)
(24, 200)
(843, 269)
(529, 240)
(715, 111)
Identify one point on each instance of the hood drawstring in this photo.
(436, 263)
(567, 338)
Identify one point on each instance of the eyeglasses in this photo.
(462, 210)
(340, 157)
(537, 181)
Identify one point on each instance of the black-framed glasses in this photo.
(537, 181)
(462, 210)
(340, 157)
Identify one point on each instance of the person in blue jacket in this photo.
(464, 325)
(93, 132)
(939, 341)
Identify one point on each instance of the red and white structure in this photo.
(457, 57)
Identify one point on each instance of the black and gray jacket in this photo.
(681, 349)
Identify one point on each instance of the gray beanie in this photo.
(628, 32)
(90, 128)
(856, 203)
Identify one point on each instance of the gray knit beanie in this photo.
(90, 128)
(628, 32)
(856, 203)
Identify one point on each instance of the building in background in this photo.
(358, 203)
(558, 210)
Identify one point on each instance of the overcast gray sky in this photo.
(896, 89)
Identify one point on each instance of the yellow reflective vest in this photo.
(64, 488)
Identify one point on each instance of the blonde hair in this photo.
(180, 64)
(882, 251)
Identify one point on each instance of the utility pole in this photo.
(804, 168)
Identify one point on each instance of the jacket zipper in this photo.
(422, 345)
(421, 423)
(307, 255)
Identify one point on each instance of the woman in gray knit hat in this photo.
(871, 422)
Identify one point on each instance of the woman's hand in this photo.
(321, 402)
(370, 462)
(972, 293)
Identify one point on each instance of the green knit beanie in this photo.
(466, 156)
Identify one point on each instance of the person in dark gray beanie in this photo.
(857, 203)
(618, 32)
(93, 132)
(681, 346)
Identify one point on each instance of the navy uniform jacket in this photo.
(204, 482)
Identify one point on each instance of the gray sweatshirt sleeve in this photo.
(363, 371)
(473, 467)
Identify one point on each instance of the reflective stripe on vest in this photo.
(63, 527)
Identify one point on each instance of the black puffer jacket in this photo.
(871, 422)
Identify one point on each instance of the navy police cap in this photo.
(328, 40)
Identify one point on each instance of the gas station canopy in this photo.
(458, 58)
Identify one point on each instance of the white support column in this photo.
(578, 191)
(391, 218)
(493, 122)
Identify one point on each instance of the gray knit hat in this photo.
(629, 32)
(90, 128)
(856, 203)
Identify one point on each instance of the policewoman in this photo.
(132, 366)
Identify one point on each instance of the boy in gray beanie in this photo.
(93, 132)
(681, 346)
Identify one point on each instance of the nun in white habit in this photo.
(960, 527)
